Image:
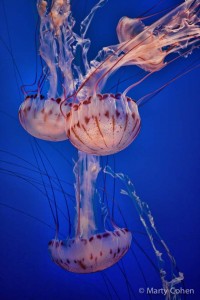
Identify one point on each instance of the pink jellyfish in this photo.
(91, 249)
(75, 107)
(41, 116)
(103, 124)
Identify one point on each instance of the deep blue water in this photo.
(163, 162)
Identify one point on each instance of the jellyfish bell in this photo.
(92, 247)
(92, 254)
(103, 124)
(42, 118)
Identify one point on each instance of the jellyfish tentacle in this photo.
(144, 46)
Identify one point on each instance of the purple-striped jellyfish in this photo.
(103, 124)
(76, 106)
(93, 248)
(43, 118)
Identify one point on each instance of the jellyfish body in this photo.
(92, 248)
(104, 124)
(43, 118)
(92, 254)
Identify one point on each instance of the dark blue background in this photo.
(163, 162)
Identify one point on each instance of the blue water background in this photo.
(163, 162)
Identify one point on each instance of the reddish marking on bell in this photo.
(91, 256)
(28, 97)
(133, 115)
(112, 96)
(76, 135)
(42, 111)
(82, 265)
(99, 236)
(98, 126)
(90, 239)
(126, 229)
(105, 96)
(138, 129)
(99, 96)
(107, 114)
(101, 253)
(126, 122)
(117, 232)
(110, 251)
(24, 111)
(117, 113)
(75, 107)
(58, 100)
(68, 115)
(68, 133)
(50, 112)
(128, 99)
(106, 234)
(87, 101)
(113, 123)
(78, 124)
(28, 108)
(87, 120)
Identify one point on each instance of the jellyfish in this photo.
(40, 115)
(75, 106)
(96, 123)
(66, 103)
(104, 124)
(83, 255)
(91, 249)
(42, 118)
